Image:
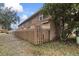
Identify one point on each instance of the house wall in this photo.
(45, 26)
(42, 30)
(34, 22)
(52, 31)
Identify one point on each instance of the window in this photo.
(40, 17)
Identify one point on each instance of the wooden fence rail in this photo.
(36, 36)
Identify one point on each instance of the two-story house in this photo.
(41, 21)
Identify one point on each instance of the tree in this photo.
(8, 17)
(64, 16)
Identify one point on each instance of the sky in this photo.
(24, 10)
(29, 9)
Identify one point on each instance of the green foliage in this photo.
(63, 13)
(8, 17)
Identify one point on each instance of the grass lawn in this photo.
(57, 49)
(12, 46)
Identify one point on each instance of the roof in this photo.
(30, 18)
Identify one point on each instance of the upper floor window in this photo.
(41, 17)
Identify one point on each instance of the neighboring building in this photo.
(41, 21)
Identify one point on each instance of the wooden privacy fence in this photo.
(35, 36)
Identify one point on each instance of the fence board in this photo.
(35, 36)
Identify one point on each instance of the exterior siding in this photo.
(37, 31)
(34, 22)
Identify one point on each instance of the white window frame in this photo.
(41, 17)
